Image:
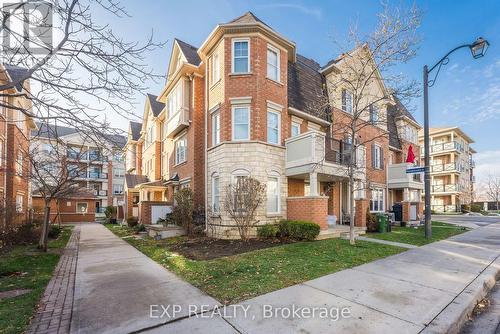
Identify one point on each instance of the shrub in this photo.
(182, 214)
(132, 221)
(267, 231)
(140, 228)
(54, 231)
(475, 208)
(371, 222)
(298, 230)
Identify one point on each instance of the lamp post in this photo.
(478, 49)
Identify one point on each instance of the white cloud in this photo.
(487, 163)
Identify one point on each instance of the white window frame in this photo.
(181, 157)
(19, 203)
(216, 198)
(276, 178)
(374, 113)
(86, 207)
(270, 111)
(236, 40)
(233, 108)
(216, 128)
(118, 172)
(297, 126)
(342, 102)
(361, 156)
(19, 163)
(276, 51)
(378, 195)
(214, 68)
(377, 157)
(120, 187)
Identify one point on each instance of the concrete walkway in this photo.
(118, 288)
(429, 289)
(386, 242)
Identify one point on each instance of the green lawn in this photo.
(416, 236)
(238, 277)
(34, 270)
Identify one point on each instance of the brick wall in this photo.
(361, 209)
(67, 210)
(145, 210)
(313, 209)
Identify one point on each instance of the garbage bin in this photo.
(382, 223)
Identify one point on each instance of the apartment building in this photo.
(452, 168)
(245, 103)
(97, 166)
(15, 127)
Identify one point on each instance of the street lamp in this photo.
(478, 49)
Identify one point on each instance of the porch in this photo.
(404, 193)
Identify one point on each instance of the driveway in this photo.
(118, 288)
(468, 221)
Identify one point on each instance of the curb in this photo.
(453, 317)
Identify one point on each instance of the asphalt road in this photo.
(467, 220)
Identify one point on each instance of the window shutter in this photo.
(373, 155)
(381, 158)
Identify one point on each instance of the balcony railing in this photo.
(446, 188)
(97, 175)
(313, 150)
(449, 146)
(101, 192)
(445, 208)
(177, 122)
(448, 167)
(398, 178)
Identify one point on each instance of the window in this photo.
(117, 189)
(1, 152)
(295, 129)
(241, 58)
(19, 163)
(215, 69)
(81, 207)
(377, 157)
(273, 127)
(216, 128)
(359, 190)
(360, 156)
(181, 150)
(273, 198)
(377, 200)
(215, 194)
(238, 177)
(241, 123)
(346, 101)
(273, 63)
(174, 100)
(118, 172)
(19, 203)
(374, 114)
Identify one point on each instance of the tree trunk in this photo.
(44, 236)
(352, 241)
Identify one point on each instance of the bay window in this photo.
(241, 123)
(273, 63)
(241, 56)
(216, 128)
(273, 199)
(377, 200)
(215, 194)
(181, 150)
(273, 127)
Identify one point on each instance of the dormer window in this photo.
(346, 101)
(241, 56)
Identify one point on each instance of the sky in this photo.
(466, 93)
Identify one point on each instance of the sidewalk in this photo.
(116, 286)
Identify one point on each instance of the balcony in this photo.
(446, 188)
(397, 177)
(445, 208)
(446, 147)
(472, 163)
(177, 122)
(100, 192)
(312, 151)
(97, 175)
(448, 167)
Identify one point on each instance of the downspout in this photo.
(205, 154)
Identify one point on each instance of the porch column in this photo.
(313, 183)
(406, 195)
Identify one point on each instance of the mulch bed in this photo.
(204, 248)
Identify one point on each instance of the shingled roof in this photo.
(133, 180)
(156, 106)
(135, 128)
(190, 52)
(16, 73)
(402, 109)
(305, 87)
(392, 113)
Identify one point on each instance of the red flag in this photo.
(411, 156)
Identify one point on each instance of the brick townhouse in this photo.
(98, 166)
(15, 127)
(246, 104)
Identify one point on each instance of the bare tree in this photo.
(363, 82)
(242, 200)
(493, 189)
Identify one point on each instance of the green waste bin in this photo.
(382, 223)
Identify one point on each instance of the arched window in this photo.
(273, 192)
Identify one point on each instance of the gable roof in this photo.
(135, 129)
(305, 87)
(402, 109)
(133, 180)
(190, 52)
(16, 73)
(156, 107)
(248, 17)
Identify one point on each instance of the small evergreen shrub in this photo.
(371, 222)
(140, 228)
(267, 231)
(298, 230)
(54, 231)
(132, 221)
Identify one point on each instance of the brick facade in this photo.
(314, 209)
(65, 211)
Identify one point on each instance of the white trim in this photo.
(277, 177)
(215, 176)
(272, 111)
(214, 115)
(277, 51)
(234, 40)
(307, 116)
(275, 106)
(232, 122)
(240, 100)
